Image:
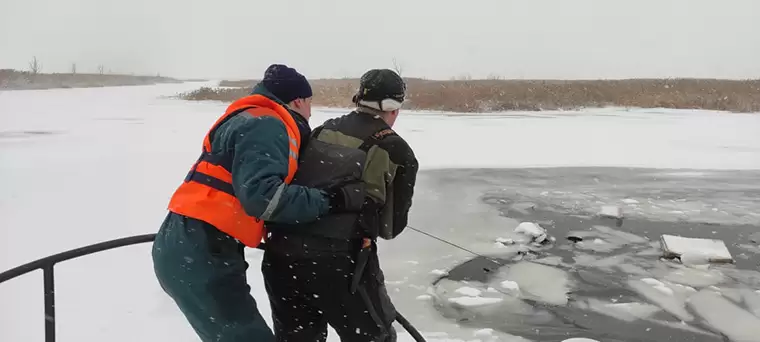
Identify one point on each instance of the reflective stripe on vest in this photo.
(207, 194)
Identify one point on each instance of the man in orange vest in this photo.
(241, 179)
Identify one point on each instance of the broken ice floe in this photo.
(722, 315)
(439, 272)
(474, 301)
(468, 291)
(538, 282)
(424, 297)
(694, 251)
(659, 293)
(693, 277)
(534, 231)
(611, 211)
(483, 332)
(628, 312)
(510, 286)
(597, 245)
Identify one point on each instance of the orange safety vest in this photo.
(207, 193)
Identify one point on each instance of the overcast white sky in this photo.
(562, 39)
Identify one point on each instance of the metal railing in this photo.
(47, 265)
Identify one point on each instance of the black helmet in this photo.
(381, 89)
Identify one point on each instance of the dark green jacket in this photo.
(258, 149)
(388, 169)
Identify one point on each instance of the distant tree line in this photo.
(35, 67)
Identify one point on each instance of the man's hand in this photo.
(347, 197)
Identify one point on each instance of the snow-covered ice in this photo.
(438, 272)
(475, 301)
(539, 282)
(468, 291)
(532, 230)
(510, 285)
(724, 316)
(696, 251)
(102, 163)
(484, 332)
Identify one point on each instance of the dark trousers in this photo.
(203, 270)
(308, 282)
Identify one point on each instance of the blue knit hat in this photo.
(286, 83)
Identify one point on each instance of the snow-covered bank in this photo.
(80, 166)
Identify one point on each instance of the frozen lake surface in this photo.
(80, 166)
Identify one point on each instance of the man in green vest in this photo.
(327, 271)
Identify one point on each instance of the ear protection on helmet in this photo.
(385, 105)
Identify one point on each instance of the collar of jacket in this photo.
(374, 115)
(303, 124)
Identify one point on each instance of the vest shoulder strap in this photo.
(212, 131)
(368, 142)
(375, 138)
(316, 131)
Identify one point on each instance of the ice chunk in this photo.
(499, 245)
(733, 294)
(510, 285)
(533, 230)
(439, 272)
(468, 291)
(611, 211)
(652, 281)
(474, 301)
(579, 339)
(597, 245)
(630, 201)
(505, 241)
(424, 297)
(632, 269)
(751, 300)
(540, 282)
(653, 290)
(658, 285)
(726, 317)
(628, 312)
(636, 310)
(697, 260)
(695, 249)
(483, 332)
